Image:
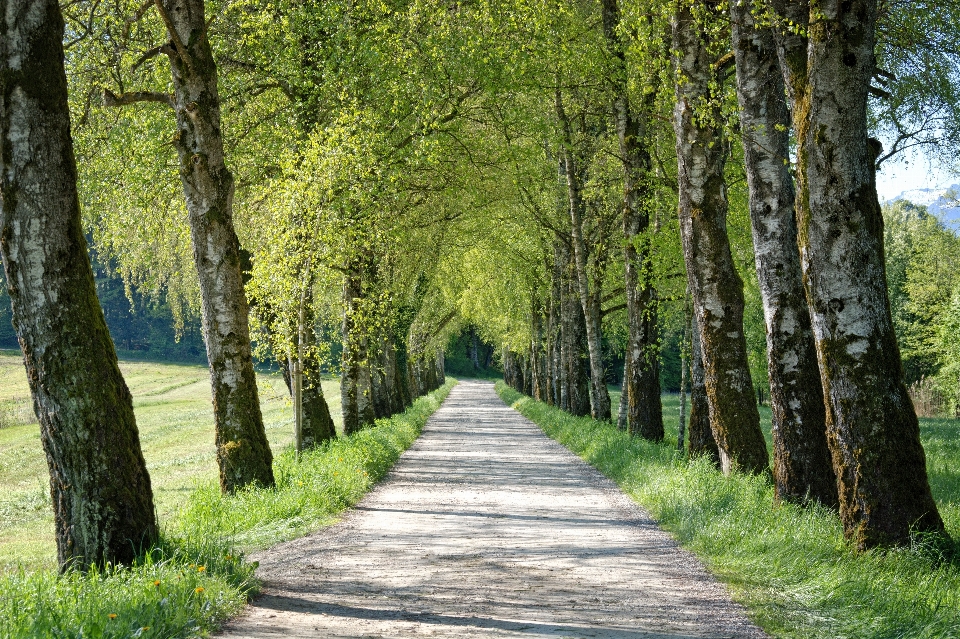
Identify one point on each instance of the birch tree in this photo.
(716, 287)
(102, 500)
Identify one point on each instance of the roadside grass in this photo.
(197, 575)
(790, 566)
(311, 491)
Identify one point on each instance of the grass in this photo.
(175, 419)
(790, 566)
(197, 575)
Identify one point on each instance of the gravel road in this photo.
(487, 528)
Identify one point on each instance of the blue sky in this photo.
(898, 175)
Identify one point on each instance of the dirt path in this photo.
(487, 528)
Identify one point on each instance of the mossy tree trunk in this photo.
(243, 453)
(576, 366)
(716, 287)
(102, 500)
(802, 467)
(641, 384)
(317, 423)
(700, 436)
(872, 427)
(355, 382)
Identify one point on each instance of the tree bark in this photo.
(599, 397)
(560, 354)
(317, 423)
(537, 360)
(872, 427)
(714, 283)
(243, 452)
(574, 338)
(355, 382)
(102, 500)
(702, 443)
(802, 467)
(642, 385)
(624, 403)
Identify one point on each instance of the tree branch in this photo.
(136, 17)
(174, 36)
(111, 99)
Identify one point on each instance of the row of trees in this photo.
(374, 176)
(783, 88)
(99, 483)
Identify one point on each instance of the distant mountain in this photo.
(944, 202)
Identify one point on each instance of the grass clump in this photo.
(197, 575)
(790, 566)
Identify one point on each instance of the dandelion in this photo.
(145, 628)
(157, 583)
(112, 615)
(198, 589)
(201, 568)
(229, 557)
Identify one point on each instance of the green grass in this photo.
(790, 566)
(197, 575)
(175, 420)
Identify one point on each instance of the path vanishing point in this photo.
(487, 528)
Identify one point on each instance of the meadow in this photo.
(788, 565)
(175, 418)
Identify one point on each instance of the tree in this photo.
(243, 453)
(103, 503)
(642, 370)
(716, 287)
(871, 424)
(802, 467)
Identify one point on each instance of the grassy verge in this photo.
(197, 576)
(788, 565)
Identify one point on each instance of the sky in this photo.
(897, 175)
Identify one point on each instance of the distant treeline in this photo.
(141, 326)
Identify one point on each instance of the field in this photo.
(175, 419)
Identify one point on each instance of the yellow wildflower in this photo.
(199, 589)
(201, 568)
(112, 615)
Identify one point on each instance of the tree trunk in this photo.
(802, 467)
(473, 347)
(243, 453)
(642, 385)
(355, 383)
(624, 404)
(714, 283)
(700, 435)
(599, 397)
(682, 422)
(317, 424)
(574, 337)
(872, 427)
(379, 383)
(559, 308)
(102, 500)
